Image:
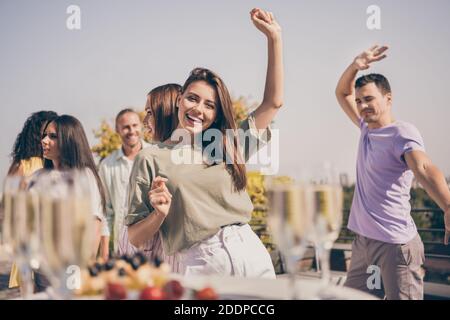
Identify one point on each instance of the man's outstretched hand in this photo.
(373, 54)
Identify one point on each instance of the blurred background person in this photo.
(27, 158)
(65, 147)
(160, 121)
(114, 171)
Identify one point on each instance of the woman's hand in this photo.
(265, 22)
(159, 196)
(274, 87)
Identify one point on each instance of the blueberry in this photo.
(157, 262)
(110, 264)
(127, 258)
(93, 271)
(122, 272)
(135, 263)
(142, 258)
(98, 266)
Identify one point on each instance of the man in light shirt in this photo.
(115, 173)
(391, 152)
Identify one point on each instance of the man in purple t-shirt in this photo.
(390, 154)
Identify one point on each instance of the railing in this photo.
(430, 225)
(432, 237)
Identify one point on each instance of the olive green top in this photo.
(203, 197)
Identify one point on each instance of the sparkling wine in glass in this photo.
(20, 229)
(290, 224)
(324, 201)
(66, 229)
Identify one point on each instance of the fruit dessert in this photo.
(134, 277)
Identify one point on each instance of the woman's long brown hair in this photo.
(163, 100)
(74, 149)
(225, 120)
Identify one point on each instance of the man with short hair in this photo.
(390, 154)
(115, 173)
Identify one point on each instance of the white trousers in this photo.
(233, 251)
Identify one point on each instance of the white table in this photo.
(230, 288)
(279, 289)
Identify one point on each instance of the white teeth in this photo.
(193, 118)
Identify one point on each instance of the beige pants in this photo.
(399, 267)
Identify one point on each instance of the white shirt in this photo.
(45, 179)
(115, 173)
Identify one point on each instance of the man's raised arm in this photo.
(345, 89)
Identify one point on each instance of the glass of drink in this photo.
(290, 223)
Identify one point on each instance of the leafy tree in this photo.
(109, 140)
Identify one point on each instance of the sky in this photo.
(126, 48)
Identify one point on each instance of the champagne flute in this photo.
(9, 188)
(290, 223)
(20, 231)
(66, 229)
(324, 201)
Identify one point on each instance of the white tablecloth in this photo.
(244, 288)
(279, 289)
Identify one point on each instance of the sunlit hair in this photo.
(163, 100)
(28, 141)
(225, 119)
(74, 151)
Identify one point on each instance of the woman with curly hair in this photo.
(27, 158)
(27, 150)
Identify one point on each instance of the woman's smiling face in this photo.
(197, 107)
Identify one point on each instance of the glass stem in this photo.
(26, 281)
(293, 286)
(291, 269)
(324, 255)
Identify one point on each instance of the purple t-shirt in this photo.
(380, 208)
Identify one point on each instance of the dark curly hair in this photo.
(28, 141)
